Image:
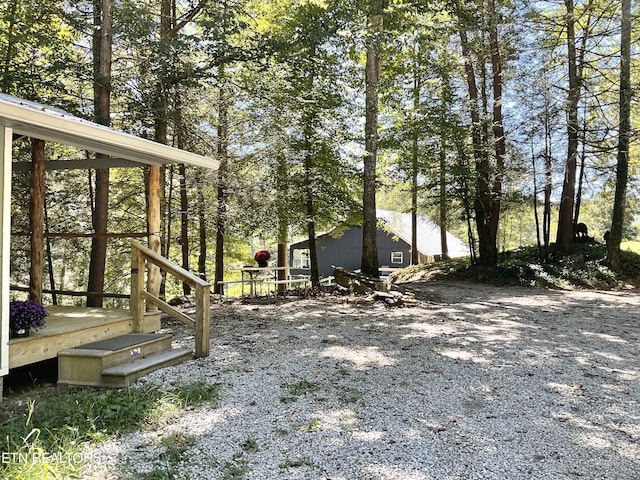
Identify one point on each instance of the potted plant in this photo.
(24, 316)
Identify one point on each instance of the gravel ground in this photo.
(474, 382)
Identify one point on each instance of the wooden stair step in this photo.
(122, 341)
(124, 374)
(83, 365)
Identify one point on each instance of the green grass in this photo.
(66, 422)
(631, 246)
(297, 463)
(298, 389)
(250, 445)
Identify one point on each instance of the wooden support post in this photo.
(136, 303)
(36, 216)
(154, 278)
(203, 321)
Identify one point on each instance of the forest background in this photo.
(503, 121)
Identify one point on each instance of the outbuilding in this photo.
(342, 247)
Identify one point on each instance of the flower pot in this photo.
(25, 315)
(23, 332)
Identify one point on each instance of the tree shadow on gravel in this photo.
(475, 382)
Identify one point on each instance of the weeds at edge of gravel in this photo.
(62, 424)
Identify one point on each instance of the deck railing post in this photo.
(136, 304)
(203, 321)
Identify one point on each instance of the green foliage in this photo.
(294, 76)
(36, 47)
(250, 445)
(237, 469)
(66, 421)
(298, 389)
(585, 268)
(297, 463)
(311, 427)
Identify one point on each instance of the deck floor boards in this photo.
(69, 327)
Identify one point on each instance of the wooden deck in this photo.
(69, 327)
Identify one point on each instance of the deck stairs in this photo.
(118, 361)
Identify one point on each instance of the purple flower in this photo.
(26, 314)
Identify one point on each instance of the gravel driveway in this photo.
(474, 382)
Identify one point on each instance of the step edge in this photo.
(146, 362)
(86, 352)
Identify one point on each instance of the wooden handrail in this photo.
(202, 323)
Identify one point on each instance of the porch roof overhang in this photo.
(35, 120)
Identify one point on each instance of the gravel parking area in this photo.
(473, 382)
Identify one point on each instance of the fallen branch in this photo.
(373, 288)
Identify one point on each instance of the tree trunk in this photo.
(369, 265)
(311, 231)
(417, 85)
(622, 171)
(283, 223)
(465, 189)
(102, 51)
(578, 202)
(583, 158)
(223, 158)
(499, 137)
(167, 222)
(154, 195)
(443, 200)
(52, 280)
(565, 215)
(546, 215)
(309, 168)
(488, 177)
(184, 198)
(155, 183)
(36, 218)
(167, 212)
(536, 216)
(580, 62)
(487, 250)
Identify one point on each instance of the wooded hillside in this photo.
(508, 123)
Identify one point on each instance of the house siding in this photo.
(346, 251)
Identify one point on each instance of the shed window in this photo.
(301, 258)
(397, 257)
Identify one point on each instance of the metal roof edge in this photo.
(39, 121)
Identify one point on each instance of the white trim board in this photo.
(49, 124)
